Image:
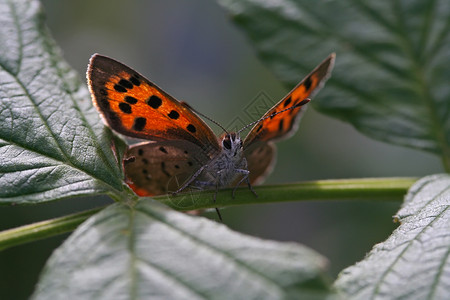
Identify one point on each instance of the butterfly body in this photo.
(224, 168)
(182, 151)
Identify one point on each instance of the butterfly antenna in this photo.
(301, 103)
(204, 116)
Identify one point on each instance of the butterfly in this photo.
(181, 149)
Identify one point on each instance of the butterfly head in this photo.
(232, 144)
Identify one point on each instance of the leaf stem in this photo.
(373, 189)
(44, 229)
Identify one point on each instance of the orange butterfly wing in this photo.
(259, 150)
(285, 124)
(135, 107)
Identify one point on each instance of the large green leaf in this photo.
(413, 263)
(52, 141)
(150, 252)
(391, 79)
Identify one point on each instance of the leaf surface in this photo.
(53, 144)
(152, 252)
(414, 262)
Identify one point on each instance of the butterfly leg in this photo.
(202, 184)
(190, 180)
(214, 200)
(246, 178)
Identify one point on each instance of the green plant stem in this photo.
(373, 189)
(44, 229)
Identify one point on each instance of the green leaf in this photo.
(413, 263)
(52, 142)
(151, 252)
(392, 68)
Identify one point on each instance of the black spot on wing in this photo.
(191, 128)
(139, 123)
(154, 101)
(163, 169)
(135, 80)
(174, 115)
(163, 150)
(125, 107)
(131, 100)
(280, 125)
(308, 83)
(120, 88)
(114, 120)
(126, 84)
(287, 102)
(103, 103)
(291, 123)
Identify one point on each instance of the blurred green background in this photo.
(192, 50)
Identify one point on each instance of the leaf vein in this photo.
(56, 159)
(242, 265)
(409, 244)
